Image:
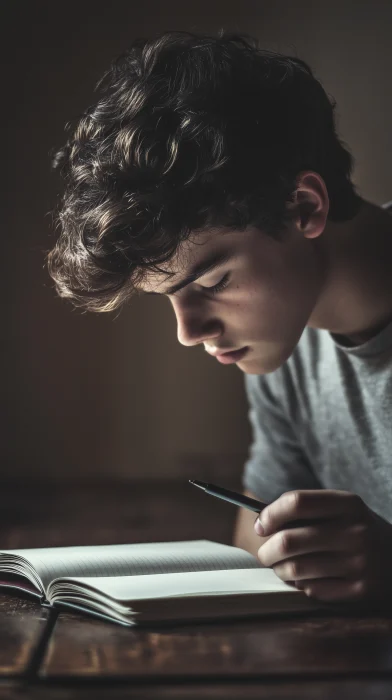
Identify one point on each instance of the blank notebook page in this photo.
(135, 559)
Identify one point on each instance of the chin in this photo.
(264, 364)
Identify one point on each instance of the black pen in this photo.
(237, 498)
(244, 501)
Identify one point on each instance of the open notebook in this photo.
(153, 582)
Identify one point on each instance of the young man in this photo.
(210, 171)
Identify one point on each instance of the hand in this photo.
(342, 553)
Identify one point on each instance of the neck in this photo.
(356, 296)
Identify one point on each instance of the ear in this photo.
(310, 204)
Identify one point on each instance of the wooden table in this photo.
(56, 656)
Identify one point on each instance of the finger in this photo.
(315, 566)
(313, 539)
(299, 505)
(334, 590)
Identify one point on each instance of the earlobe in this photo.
(313, 221)
(310, 205)
(308, 218)
(306, 211)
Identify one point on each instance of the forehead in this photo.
(190, 252)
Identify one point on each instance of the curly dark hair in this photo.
(189, 132)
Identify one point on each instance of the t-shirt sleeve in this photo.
(277, 462)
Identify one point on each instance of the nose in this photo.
(193, 326)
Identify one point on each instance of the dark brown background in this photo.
(118, 396)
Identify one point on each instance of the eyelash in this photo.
(220, 286)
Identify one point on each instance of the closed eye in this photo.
(219, 286)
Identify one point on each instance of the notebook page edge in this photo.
(128, 589)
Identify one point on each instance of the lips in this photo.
(228, 358)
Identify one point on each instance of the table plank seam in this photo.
(39, 652)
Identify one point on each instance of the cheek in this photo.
(274, 309)
(272, 314)
(288, 287)
(272, 326)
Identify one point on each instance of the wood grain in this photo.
(83, 647)
(301, 690)
(22, 623)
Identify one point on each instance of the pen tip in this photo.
(196, 482)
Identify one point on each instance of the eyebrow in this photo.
(201, 268)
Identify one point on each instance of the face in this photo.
(257, 301)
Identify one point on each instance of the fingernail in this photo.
(259, 530)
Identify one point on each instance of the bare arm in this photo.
(244, 534)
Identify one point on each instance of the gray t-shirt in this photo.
(324, 420)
